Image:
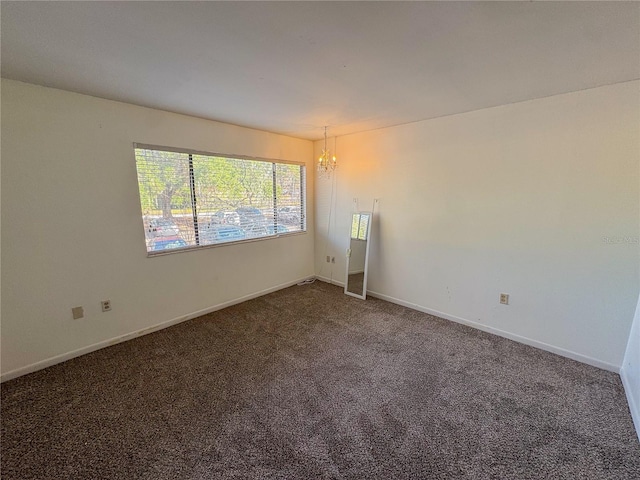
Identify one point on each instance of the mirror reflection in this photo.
(357, 255)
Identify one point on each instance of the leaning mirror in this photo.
(358, 255)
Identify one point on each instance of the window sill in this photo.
(194, 248)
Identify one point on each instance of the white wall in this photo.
(630, 371)
(515, 199)
(72, 232)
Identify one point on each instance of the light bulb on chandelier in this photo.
(327, 162)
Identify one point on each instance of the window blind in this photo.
(191, 200)
(359, 226)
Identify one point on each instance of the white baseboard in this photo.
(501, 333)
(123, 338)
(634, 403)
(330, 280)
(34, 367)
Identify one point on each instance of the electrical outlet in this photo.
(77, 312)
(106, 305)
(328, 259)
(504, 298)
(333, 259)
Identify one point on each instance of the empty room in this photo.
(320, 240)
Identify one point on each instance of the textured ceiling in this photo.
(292, 67)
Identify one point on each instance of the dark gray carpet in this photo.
(307, 383)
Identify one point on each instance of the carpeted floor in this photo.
(308, 383)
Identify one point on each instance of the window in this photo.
(359, 226)
(191, 199)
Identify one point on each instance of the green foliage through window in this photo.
(360, 226)
(191, 200)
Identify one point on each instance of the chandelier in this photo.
(327, 162)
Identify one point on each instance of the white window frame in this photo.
(276, 234)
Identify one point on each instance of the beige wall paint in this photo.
(529, 199)
(514, 199)
(72, 232)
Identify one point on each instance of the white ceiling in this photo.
(292, 67)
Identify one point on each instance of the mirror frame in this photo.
(366, 258)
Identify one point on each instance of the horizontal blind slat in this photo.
(233, 198)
